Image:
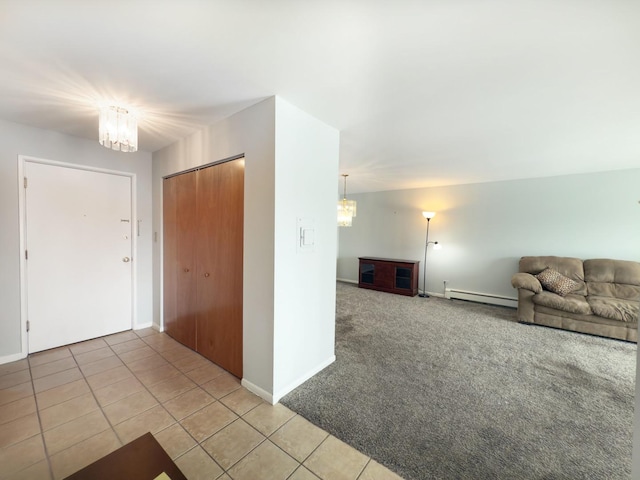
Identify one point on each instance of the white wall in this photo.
(485, 228)
(306, 171)
(272, 184)
(17, 140)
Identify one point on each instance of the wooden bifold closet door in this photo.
(203, 256)
(179, 258)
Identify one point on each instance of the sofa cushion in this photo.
(555, 282)
(615, 309)
(613, 278)
(572, 303)
(567, 266)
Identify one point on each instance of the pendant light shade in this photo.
(118, 129)
(346, 208)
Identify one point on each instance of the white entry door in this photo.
(78, 227)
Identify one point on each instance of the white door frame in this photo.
(22, 159)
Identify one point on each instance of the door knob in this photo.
(186, 270)
(206, 274)
(126, 259)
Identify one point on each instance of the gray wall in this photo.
(17, 140)
(485, 228)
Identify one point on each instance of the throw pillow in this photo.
(555, 282)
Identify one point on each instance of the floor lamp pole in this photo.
(424, 267)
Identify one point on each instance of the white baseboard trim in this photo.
(142, 326)
(482, 298)
(301, 379)
(14, 357)
(262, 393)
(275, 398)
(347, 280)
(434, 294)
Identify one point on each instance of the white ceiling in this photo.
(424, 92)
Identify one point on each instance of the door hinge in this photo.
(25, 182)
(26, 254)
(28, 325)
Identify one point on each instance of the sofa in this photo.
(597, 296)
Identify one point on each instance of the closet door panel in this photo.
(170, 254)
(187, 307)
(179, 214)
(220, 250)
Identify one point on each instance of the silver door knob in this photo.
(126, 259)
(206, 274)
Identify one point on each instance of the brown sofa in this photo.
(601, 298)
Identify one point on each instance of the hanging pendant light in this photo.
(118, 129)
(346, 208)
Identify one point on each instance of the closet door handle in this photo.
(206, 274)
(186, 270)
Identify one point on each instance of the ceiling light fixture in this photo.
(346, 208)
(118, 129)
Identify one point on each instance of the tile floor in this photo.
(64, 408)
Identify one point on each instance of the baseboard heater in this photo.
(481, 297)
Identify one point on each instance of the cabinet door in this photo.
(367, 273)
(220, 213)
(385, 275)
(403, 277)
(180, 307)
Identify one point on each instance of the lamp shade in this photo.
(346, 212)
(118, 129)
(428, 215)
(346, 208)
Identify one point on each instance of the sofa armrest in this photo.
(526, 307)
(526, 281)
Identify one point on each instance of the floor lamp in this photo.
(428, 216)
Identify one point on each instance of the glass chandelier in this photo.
(346, 208)
(118, 129)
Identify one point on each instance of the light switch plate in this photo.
(306, 235)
